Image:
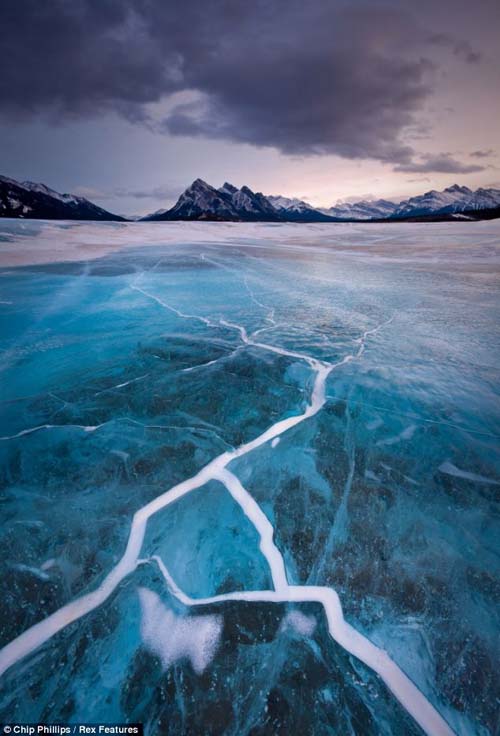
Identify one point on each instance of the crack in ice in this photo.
(121, 385)
(39, 427)
(89, 428)
(408, 694)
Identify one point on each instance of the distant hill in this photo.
(30, 200)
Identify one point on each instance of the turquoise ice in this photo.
(205, 443)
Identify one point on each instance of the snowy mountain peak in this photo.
(363, 210)
(246, 190)
(284, 203)
(228, 188)
(457, 188)
(199, 184)
(296, 210)
(290, 204)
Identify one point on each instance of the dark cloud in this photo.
(482, 154)
(459, 47)
(442, 163)
(328, 76)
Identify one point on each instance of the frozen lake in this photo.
(250, 476)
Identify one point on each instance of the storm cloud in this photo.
(442, 163)
(325, 77)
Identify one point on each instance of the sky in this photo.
(127, 102)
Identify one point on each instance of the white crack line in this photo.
(406, 692)
(347, 636)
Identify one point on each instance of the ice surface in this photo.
(236, 455)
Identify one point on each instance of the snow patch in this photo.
(299, 622)
(173, 638)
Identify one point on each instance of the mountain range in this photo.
(450, 203)
(201, 201)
